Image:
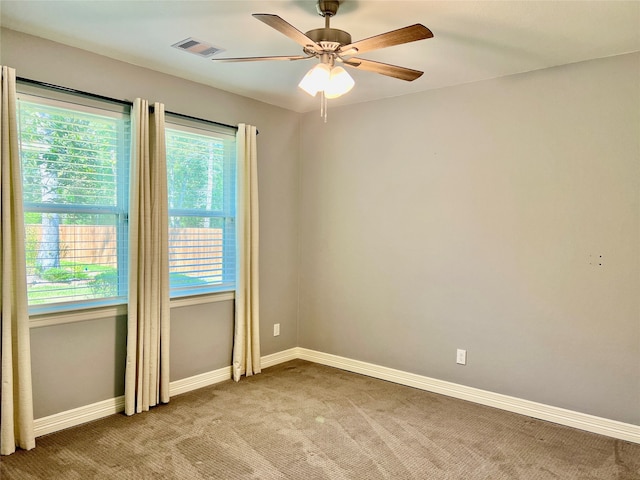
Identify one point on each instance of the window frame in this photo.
(74, 101)
(190, 125)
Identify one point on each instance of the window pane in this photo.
(68, 157)
(71, 257)
(195, 171)
(201, 186)
(200, 251)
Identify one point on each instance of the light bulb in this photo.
(340, 82)
(316, 79)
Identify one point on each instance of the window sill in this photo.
(202, 299)
(96, 313)
(58, 318)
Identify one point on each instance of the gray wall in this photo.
(81, 363)
(77, 364)
(474, 217)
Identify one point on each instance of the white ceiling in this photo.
(473, 40)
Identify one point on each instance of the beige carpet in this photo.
(300, 420)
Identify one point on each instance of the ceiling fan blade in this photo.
(394, 71)
(259, 59)
(274, 21)
(396, 37)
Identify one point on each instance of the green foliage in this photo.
(67, 156)
(64, 275)
(195, 174)
(31, 248)
(57, 275)
(178, 280)
(32, 218)
(42, 294)
(72, 283)
(79, 272)
(87, 267)
(105, 284)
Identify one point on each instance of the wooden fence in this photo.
(196, 250)
(96, 244)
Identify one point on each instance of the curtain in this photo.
(16, 402)
(246, 341)
(147, 366)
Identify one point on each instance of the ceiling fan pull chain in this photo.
(323, 106)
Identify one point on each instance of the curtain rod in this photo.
(110, 99)
(72, 90)
(189, 117)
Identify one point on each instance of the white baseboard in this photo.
(582, 421)
(95, 411)
(198, 381)
(77, 416)
(279, 357)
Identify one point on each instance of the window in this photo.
(75, 164)
(201, 184)
(75, 179)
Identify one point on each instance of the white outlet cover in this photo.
(461, 357)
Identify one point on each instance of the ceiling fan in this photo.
(332, 46)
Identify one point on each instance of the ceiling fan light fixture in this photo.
(333, 81)
(340, 82)
(316, 79)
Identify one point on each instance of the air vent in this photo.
(197, 47)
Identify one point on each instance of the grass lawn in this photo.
(94, 281)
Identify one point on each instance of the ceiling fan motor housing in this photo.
(332, 35)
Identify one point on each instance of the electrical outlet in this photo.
(461, 357)
(276, 329)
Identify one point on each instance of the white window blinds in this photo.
(201, 184)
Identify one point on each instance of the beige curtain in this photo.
(16, 403)
(246, 342)
(147, 367)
